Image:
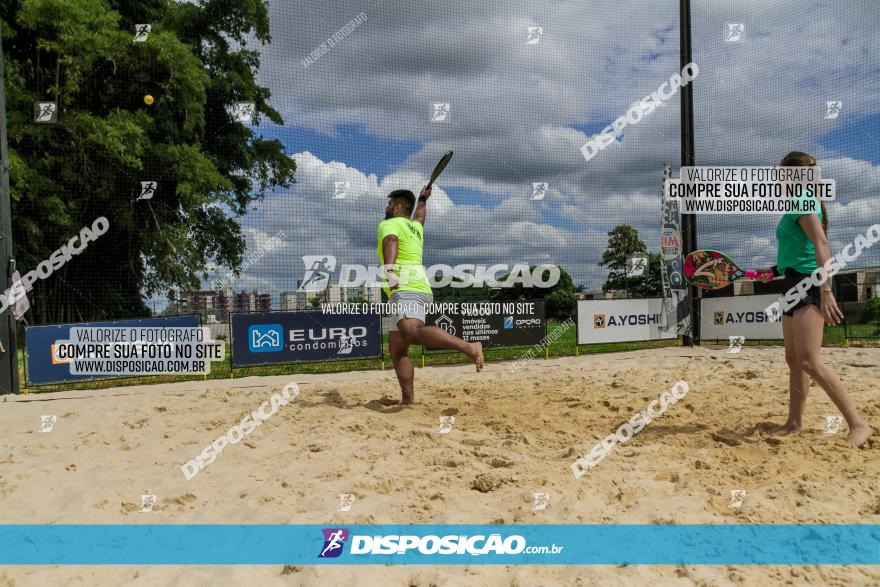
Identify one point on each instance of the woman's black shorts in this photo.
(813, 297)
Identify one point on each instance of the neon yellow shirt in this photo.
(410, 242)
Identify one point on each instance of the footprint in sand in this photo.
(136, 424)
(728, 437)
(484, 483)
(290, 569)
(182, 500)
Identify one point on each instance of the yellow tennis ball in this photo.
(148, 99)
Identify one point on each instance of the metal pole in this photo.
(9, 356)
(688, 221)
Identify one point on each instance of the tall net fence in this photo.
(351, 101)
(794, 76)
(234, 147)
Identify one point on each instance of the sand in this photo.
(514, 434)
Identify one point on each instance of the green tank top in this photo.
(796, 250)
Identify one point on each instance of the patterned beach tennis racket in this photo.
(709, 269)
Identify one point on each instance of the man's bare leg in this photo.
(403, 366)
(415, 332)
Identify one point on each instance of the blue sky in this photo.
(350, 144)
(858, 138)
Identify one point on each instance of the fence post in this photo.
(9, 357)
(688, 158)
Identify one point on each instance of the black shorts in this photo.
(813, 297)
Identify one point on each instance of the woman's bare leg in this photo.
(798, 383)
(808, 327)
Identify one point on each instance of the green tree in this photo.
(870, 311)
(650, 285)
(197, 308)
(623, 244)
(560, 301)
(461, 294)
(174, 309)
(209, 167)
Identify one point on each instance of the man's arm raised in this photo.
(422, 205)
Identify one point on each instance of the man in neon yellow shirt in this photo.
(400, 245)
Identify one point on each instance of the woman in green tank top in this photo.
(803, 246)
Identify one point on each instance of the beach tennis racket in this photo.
(444, 161)
(709, 269)
(438, 169)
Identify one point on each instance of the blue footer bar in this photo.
(530, 544)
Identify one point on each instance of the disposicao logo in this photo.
(451, 544)
(334, 541)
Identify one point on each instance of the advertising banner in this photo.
(45, 366)
(621, 321)
(676, 316)
(495, 324)
(288, 337)
(722, 318)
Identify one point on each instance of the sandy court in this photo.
(514, 434)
